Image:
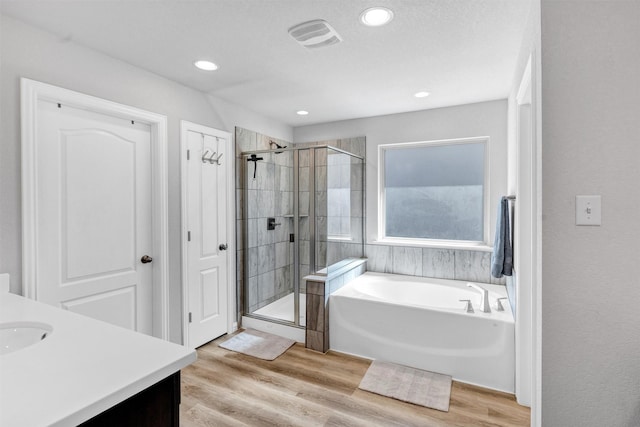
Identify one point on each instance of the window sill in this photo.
(465, 246)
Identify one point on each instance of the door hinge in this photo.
(190, 318)
(188, 154)
(188, 236)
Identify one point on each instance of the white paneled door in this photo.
(94, 221)
(206, 204)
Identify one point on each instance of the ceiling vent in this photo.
(316, 33)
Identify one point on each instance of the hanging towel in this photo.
(502, 257)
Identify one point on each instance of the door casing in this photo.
(33, 91)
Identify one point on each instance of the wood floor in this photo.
(306, 388)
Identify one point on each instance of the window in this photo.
(434, 191)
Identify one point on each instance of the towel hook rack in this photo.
(210, 158)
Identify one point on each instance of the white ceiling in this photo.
(461, 51)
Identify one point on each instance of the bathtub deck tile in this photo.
(500, 281)
(315, 340)
(315, 288)
(379, 258)
(337, 283)
(407, 260)
(474, 266)
(315, 313)
(438, 263)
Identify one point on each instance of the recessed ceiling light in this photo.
(376, 16)
(421, 94)
(302, 112)
(206, 65)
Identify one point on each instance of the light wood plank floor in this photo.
(306, 388)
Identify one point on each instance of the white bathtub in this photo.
(419, 322)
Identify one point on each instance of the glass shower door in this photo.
(302, 213)
(344, 208)
(269, 252)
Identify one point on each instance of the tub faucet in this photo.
(467, 307)
(484, 301)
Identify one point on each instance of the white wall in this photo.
(481, 119)
(591, 145)
(29, 52)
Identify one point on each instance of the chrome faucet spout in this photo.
(484, 300)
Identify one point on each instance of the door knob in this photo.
(146, 259)
(223, 247)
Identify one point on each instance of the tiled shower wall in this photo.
(269, 252)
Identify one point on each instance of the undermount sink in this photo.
(15, 336)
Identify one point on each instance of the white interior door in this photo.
(208, 167)
(94, 215)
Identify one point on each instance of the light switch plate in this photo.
(588, 210)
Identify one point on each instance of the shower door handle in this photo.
(223, 247)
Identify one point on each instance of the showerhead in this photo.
(272, 143)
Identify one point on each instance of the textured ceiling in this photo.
(461, 51)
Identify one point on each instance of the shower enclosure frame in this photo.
(242, 300)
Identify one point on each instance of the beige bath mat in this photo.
(258, 344)
(411, 385)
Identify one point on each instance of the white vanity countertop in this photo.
(82, 368)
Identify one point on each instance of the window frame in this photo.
(439, 243)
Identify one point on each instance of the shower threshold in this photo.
(279, 311)
(282, 309)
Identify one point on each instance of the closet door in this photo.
(207, 276)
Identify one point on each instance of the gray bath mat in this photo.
(411, 385)
(258, 344)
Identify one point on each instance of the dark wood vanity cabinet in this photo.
(156, 406)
